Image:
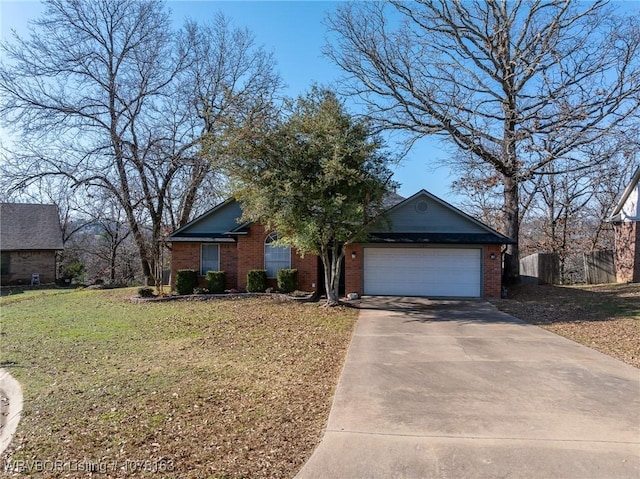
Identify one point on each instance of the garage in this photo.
(437, 272)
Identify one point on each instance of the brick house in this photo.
(625, 219)
(30, 238)
(422, 247)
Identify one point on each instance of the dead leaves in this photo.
(603, 317)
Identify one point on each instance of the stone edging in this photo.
(208, 297)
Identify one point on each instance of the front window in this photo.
(209, 258)
(275, 257)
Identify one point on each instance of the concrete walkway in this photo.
(457, 389)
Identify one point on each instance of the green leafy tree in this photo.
(316, 175)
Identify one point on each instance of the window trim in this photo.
(270, 238)
(201, 271)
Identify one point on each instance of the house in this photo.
(625, 217)
(30, 237)
(423, 247)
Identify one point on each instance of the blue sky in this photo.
(294, 32)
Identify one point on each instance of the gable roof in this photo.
(217, 225)
(616, 215)
(29, 227)
(425, 218)
(403, 222)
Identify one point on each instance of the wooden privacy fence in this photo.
(595, 267)
(599, 267)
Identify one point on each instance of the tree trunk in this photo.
(512, 229)
(332, 261)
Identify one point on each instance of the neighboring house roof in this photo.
(422, 218)
(617, 214)
(29, 227)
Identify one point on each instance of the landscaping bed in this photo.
(229, 388)
(603, 317)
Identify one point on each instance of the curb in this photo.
(10, 408)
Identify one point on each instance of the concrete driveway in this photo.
(457, 389)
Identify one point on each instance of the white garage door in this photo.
(422, 272)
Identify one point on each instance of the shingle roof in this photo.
(440, 238)
(29, 227)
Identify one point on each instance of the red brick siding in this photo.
(251, 256)
(184, 256)
(250, 253)
(353, 277)
(627, 244)
(492, 268)
(492, 272)
(307, 267)
(236, 259)
(229, 264)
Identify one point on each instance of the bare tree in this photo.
(517, 85)
(103, 95)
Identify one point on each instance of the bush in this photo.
(216, 281)
(186, 281)
(146, 292)
(257, 280)
(287, 280)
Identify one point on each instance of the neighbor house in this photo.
(423, 247)
(30, 237)
(625, 219)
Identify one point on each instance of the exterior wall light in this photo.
(353, 255)
(492, 256)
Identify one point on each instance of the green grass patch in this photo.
(225, 388)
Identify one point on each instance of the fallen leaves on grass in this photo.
(219, 389)
(603, 317)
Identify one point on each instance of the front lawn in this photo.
(605, 317)
(189, 389)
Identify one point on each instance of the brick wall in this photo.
(492, 280)
(187, 256)
(492, 271)
(627, 256)
(251, 256)
(353, 280)
(236, 259)
(23, 263)
(307, 267)
(184, 256)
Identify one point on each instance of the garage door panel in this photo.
(422, 272)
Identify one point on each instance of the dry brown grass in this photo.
(207, 389)
(603, 317)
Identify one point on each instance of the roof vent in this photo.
(422, 206)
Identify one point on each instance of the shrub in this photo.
(186, 281)
(287, 280)
(146, 292)
(198, 290)
(216, 281)
(257, 280)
